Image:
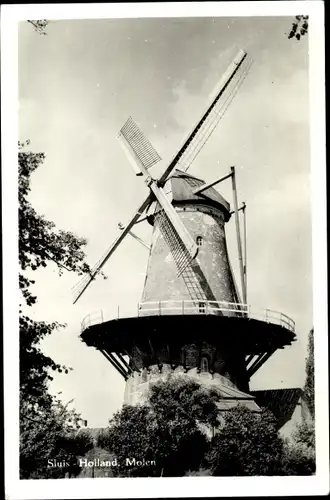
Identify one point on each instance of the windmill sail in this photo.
(218, 111)
(144, 156)
(182, 246)
(189, 269)
(81, 286)
(181, 256)
(143, 151)
(197, 290)
(177, 234)
(209, 120)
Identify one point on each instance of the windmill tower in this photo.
(191, 319)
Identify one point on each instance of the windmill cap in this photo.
(183, 186)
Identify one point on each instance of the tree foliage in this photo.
(309, 389)
(35, 365)
(40, 26)
(47, 428)
(299, 454)
(247, 444)
(173, 428)
(40, 243)
(299, 27)
(167, 430)
(49, 431)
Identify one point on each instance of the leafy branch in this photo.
(299, 27)
(40, 26)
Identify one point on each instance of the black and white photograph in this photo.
(165, 300)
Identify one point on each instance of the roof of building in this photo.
(281, 402)
(230, 397)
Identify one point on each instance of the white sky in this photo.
(78, 85)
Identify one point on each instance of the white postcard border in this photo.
(164, 487)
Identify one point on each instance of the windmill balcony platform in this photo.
(230, 325)
(190, 307)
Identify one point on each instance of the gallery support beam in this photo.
(259, 362)
(132, 361)
(115, 363)
(124, 363)
(249, 359)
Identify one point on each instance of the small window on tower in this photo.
(204, 364)
(199, 241)
(201, 307)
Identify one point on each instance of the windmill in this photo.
(192, 318)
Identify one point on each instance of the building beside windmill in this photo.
(191, 320)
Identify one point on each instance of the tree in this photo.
(165, 433)
(169, 435)
(50, 432)
(299, 457)
(40, 243)
(299, 453)
(40, 26)
(247, 444)
(44, 421)
(309, 390)
(299, 27)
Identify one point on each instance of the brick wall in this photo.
(162, 282)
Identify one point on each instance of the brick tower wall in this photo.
(202, 221)
(138, 384)
(223, 366)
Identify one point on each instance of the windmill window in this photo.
(204, 364)
(201, 307)
(199, 241)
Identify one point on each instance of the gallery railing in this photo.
(189, 307)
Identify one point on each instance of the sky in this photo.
(77, 87)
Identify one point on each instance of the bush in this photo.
(247, 444)
(299, 453)
(165, 431)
